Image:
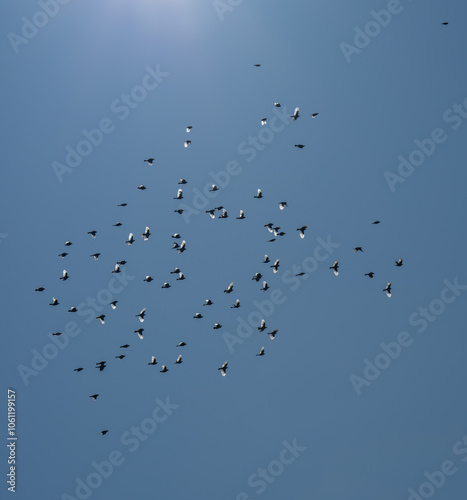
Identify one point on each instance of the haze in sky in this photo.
(359, 396)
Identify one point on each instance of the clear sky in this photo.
(344, 404)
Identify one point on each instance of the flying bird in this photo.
(302, 231)
(370, 275)
(223, 368)
(187, 143)
(63, 255)
(95, 255)
(101, 365)
(121, 356)
(272, 335)
(149, 161)
(266, 259)
(122, 205)
(141, 188)
(179, 211)
(176, 236)
(141, 315)
(148, 279)
(209, 302)
(54, 302)
(229, 288)
(224, 214)
(257, 65)
(216, 326)
(236, 304)
(146, 234)
(198, 316)
(213, 188)
(314, 115)
(116, 269)
(78, 369)
(282, 205)
(265, 286)
(211, 213)
(259, 194)
(130, 239)
(181, 277)
(335, 267)
(179, 359)
(189, 128)
(376, 222)
(179, 195)
(269, 226)
(113, 304)
(175, 271)
(139, 332)
(64, 276)
(262, 326)
(264, 121)
(125, 346)
(295, 114)
(388, 289)
(398, 263)
(94, 397)
(56, 334)
(299, 146)
(261, 352)
(101, 318)
(358, 249)
(68, 243)
(164, 369)
(40, 289)
(165, 285)
(92, 233)
(72, 309)
(242, 215)
(153, 361)
(182, 247)
(275, 266)
(182, 181)
(104, 432)
(121, 262)
(277, 104)
(181, 344)
(257, 277)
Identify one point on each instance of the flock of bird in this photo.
(275, 231)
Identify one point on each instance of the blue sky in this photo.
(355, 432)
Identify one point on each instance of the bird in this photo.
(189, 128)
(95, 255)
(68, 243)
(277, 232)
(56, 334)
(242, 215)
(445, 23)
(179, 195)
(176, 236)
(122, 205)
(299, 146)
(141, 187)
(164, 369)
(236, 304)
(213, 188)
(187, 143)
(314, 115)
(182, 247)
(175, 271)
(223, 368)
(229, 288)
(272, 335)
(211, 213)
(165, 285)
(63, 254)
(101, 365)
(295, 114)
(72, 309)
(153, 361)
(146, 234)
(149, 161)
(219, 208)
(275, 266)
(113, 304)
(256, 65)
(198, 316)
(282, 205)
(300, 274)
(116, 269)
(264, 121)
(208, 302)
(182, 181)
(121, 262)
(358, 249)
(269, 226)
(54, 302)
(266, 259)
(376, 222)
(179, 359)
(40, 289)
(265, 286)
(181, 277)
(388, 289)
(121, 356)
(398, 263)
(125, 346)
(78, 369)
(141, 315)
(148, 279)
(259, 194)
(101, 318)
(277, 104)
(224, 214)
(216, 326)
(271, 240)
(370, 275)
(130, 239)
(261, 352)
(262, 326)
(257, 277)
(92, 233)
(94, 397)
(64, 276)
(181, 344)
(104, 432)
(175, 245)
(302, 231)
(179, 211)
(335, 267)
(139, 332)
